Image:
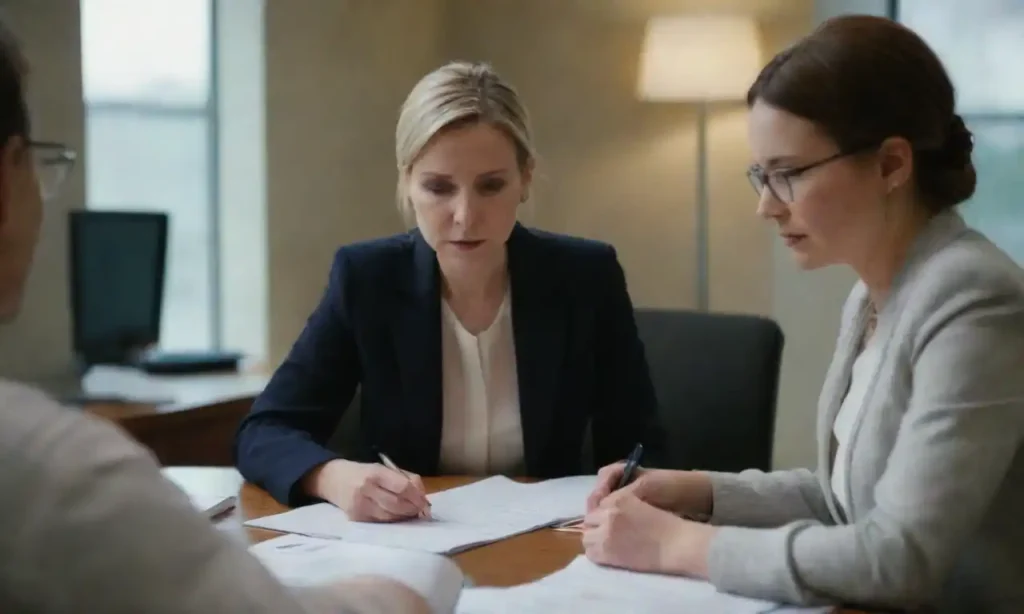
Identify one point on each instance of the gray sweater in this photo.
(935, 461)
(88, 524)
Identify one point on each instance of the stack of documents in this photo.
(462, 518)
(305, 561)
(586, 587)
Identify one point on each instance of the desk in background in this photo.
(184, 420)
(513, 561)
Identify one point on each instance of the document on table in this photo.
(306, 561)
(462, 517)
(586, 587)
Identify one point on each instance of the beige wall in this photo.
(38, 346)
(336, 73)
(612, 168)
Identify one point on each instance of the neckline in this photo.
(461, 329)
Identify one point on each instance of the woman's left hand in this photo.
(629, 533)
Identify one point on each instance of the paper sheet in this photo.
(586, 587)
(306, 561)
(463, 517)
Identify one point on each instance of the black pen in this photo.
(632, 463)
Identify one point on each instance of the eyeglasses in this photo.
(53, 163)
(780, 182)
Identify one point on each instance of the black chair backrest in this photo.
(716, 377)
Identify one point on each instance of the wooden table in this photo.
(189, 419)
(517, 560)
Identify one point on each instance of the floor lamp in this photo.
(700, 59)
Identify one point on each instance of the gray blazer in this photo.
(935, 465)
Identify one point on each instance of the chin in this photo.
(808, 262)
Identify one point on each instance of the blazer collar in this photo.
(938, 232)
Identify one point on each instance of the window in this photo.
(981, 45)
(151, 142)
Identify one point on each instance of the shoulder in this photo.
(375, 254)
(969, 281)
(968, 271)
(373, 267)
(50, 442)
(573, 258)
(569, 245)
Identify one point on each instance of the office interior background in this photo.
(265, 128)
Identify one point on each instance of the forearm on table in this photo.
(757, 499)
(278, 458)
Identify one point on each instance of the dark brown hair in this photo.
(13, 113)
(863, 79)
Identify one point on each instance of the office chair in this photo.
(716, 377)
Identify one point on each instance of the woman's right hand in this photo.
(369, 492)
(682, 492)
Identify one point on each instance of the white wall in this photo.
(38, 345)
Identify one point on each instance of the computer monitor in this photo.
(117, 267)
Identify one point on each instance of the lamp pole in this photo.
(702, 209)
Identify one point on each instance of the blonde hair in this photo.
(457, 94)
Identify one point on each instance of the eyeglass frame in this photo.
(756, 173)
(61, 156)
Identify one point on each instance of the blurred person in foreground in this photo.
(88, 522)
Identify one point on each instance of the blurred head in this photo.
(28, 171)
(854, 137)
(465, 161)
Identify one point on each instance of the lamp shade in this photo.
(699, 58)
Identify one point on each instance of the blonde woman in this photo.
(479, 346)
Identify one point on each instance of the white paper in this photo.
(305, 561)
(463, 517)
(586, 587)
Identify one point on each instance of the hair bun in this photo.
(959, 143)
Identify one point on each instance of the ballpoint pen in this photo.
(632, 463)
(390, 464)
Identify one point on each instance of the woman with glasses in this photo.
(918, 496)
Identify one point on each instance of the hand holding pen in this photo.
(424, 511)
(616, 477)
(369, 492)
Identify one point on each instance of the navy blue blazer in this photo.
(378, 327)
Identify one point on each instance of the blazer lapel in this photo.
(539, 324)
(417, 337)
(837, 383)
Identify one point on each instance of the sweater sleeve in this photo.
(757, 499)
(956, 441)
(100, 530)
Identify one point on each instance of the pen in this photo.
(631, 466)
(390, 464)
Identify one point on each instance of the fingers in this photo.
(421, 489)
(407, 487)
(607, 478)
